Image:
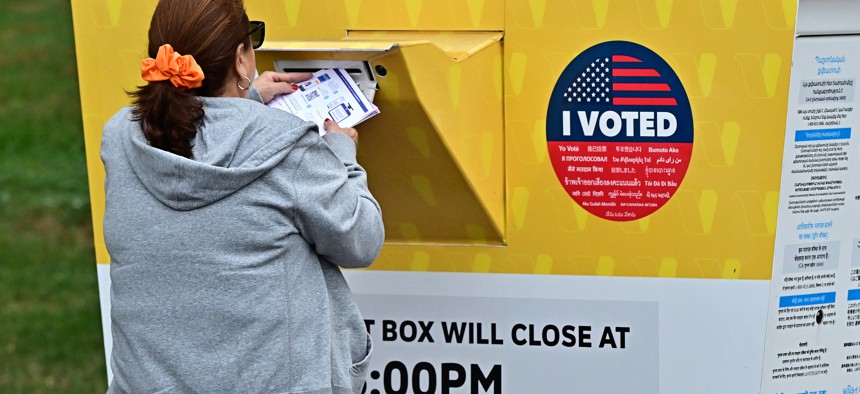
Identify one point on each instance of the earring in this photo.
(239, 84)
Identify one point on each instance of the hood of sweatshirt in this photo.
(236, 144)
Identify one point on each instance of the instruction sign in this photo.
(814, 317)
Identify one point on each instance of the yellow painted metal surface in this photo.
(458, 157)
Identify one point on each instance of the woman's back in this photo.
(224, 268)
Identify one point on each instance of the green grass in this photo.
(50, 329)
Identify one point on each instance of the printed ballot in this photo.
(331, 93)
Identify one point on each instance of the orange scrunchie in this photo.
(183, 71)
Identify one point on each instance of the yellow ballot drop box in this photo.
(437, 150)
(536, 242)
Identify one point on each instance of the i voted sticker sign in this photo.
(619, 131)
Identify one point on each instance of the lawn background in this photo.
(50, 327)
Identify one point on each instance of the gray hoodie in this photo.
(224, 269)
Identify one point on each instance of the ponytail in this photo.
(169, 116)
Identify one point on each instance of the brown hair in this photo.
(208, 30)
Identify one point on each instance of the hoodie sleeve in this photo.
(335, 210)
(254, 94)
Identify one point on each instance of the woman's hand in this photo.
(332, 127)
(272, 84)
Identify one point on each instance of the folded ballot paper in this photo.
(332, 94)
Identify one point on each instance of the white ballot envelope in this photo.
(332, 94)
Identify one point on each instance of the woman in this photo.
(227, 222)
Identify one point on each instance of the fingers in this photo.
(331, 126)
(290, 78)
(271, 84)
(279, 88)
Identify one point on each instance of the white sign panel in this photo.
(446, 344)
(490, 333)
(813, 338)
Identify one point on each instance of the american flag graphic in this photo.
(620, 80)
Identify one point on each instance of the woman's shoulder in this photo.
(272, 123)
(121, 121)
(120, 118)
(241, 129)
(119, 127)
(252, 113)
(280, 118)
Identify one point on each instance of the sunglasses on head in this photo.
(257, 31)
